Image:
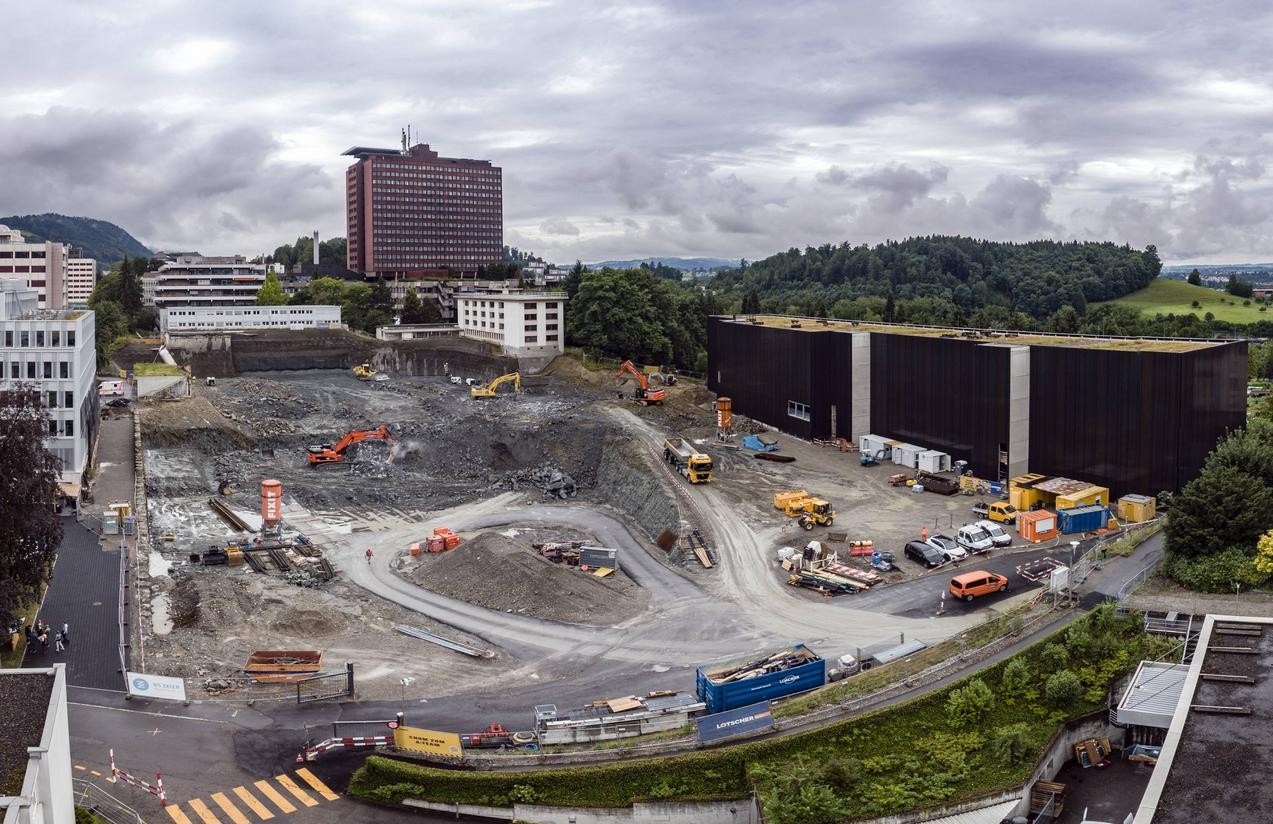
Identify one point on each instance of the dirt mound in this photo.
(568, 369)
(498, 572)
(192, 423)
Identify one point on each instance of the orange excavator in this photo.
(643, 392)
(335, 453)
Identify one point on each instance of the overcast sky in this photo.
(631, 129)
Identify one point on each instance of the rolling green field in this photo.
(1169, 297)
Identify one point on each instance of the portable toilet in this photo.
(1038, 525)
(930, 460)
(1136, 508)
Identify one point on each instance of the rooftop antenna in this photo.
(404, 141)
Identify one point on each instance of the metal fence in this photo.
(1131, 584)
(357, 729)
(326, 687)
(102, 804)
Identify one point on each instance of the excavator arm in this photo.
(336, 452)
(641, 379)
(488, 391)
(644, 393)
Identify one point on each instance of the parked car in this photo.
(998, 534)
(1001, 511)
(921, 552)
(119, 403)
(974, 584)
(947, 546)
(973, 538)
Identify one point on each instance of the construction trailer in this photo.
(762, 677)
(625, 717)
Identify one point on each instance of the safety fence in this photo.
(326, 687)
(102, 804)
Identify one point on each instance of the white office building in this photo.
(226, 318)
(203, 281)
(523, 323)
(40, 266)
(39, 766)
(55, 350)
(81, 277)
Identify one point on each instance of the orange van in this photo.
(974, 584)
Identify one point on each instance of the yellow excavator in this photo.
(488, 391)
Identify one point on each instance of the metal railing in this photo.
(1130, 585)
(102, 804)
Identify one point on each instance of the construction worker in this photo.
(369, 554)
(923, 535)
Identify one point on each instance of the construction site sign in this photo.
(414, 739)
(156, 686)
(727, 724)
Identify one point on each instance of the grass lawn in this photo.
(1174, 297)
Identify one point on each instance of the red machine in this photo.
(334, 453)
(271, 504)
(495, 736)
(643, 392)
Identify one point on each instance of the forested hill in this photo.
(99, 239)
(939, 279)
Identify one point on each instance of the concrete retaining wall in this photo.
(716, 812)
(1095, 725)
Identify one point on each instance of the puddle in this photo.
(158, 564)
(660, 668)
(160, 617)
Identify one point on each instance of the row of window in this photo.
(279, 310)
(535, 338)
(23, 337)
(22, 270)
(45, 370)
(403, 186)
(62, 429)
(413, 172)
(38, 254)
(798, 410)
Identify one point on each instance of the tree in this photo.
(615, 313)
(751, 303)
(574, 278)
(890, 309)
(30, 529)
(1195, 278)
(1016, 677)
(1224, 506)
(325, 291)
(1238, 287)
(412, 310)
(379, 306)
(969, 704)
(1063, 689)
(1011, 743)
(1065, 319)
(111, 325)
(271, 292)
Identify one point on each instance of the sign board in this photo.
(1059, 581)
(726, 724)
(156, 686)
(414, 739)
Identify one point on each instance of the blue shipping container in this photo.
(1083, 518)
(734, 722)
(721, 697)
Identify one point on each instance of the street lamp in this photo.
(1074, 545)
(405, 682)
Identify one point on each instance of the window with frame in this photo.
(69, 429)
(798, 410)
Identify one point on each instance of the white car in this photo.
(948, 547)
(996, 532)
(974, 539)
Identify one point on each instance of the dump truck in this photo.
(695, 466)
(761, 677)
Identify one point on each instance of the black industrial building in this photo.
(1134, 415)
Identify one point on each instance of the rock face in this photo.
(627, 482)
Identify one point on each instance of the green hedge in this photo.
(905, 757)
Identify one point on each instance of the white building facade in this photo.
(40, 266)
(81, 277)
(203, 281)
(523, 323)
(47, 795)
(54, 349)
(223, 318)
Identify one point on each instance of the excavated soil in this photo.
(504, 573)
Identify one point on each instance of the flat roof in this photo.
(24, 704)
(1218, 754)
(1152, 696)
(1002, 337)
(535, 296)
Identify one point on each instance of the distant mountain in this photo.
(684, 264)
(99, 239)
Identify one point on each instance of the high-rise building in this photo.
(40, 265)
(81, 277)
(411, 210)
(55, 351)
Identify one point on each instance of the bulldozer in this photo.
(364, 372)
(816, 512)
(489, 390)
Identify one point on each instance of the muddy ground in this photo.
(502, 571)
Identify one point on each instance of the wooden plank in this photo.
(293, 788)
(315, 782)
(262, 811)
(603, 572)
(274, 795)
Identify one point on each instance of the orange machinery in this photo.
(643, 392)
(334, 453)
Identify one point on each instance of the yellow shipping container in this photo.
(1137, 508)
(1021, 491)
(1084, 497)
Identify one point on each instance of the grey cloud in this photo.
(558, 226)
(896, 187)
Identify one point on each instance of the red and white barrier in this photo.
(348, 743)
(156, 789)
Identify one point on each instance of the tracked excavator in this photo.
(488, 391)
(335, 453)
(643, 393)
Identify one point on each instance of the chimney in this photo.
(315, 247)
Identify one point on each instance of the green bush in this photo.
(968, 705)
(1063, 689)
(1011, 743)
(1016, 678)
(83, 816)
(1054, 657)
(1216, 573)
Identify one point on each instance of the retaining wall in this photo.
(743, 811)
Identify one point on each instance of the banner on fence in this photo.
(746, 719)
(414, 739)
(156, 686)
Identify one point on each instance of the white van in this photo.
(974, 539)
(996, 532)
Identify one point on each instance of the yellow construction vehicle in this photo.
(364, 372)
(810, 510)
(488, 391)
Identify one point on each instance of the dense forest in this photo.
(938, 279)
(99, 239)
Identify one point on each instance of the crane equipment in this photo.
(488, 391)
(643, 392)
(334, 453)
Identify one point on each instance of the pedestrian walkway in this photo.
(262, 801)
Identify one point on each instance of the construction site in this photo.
(450, 532)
